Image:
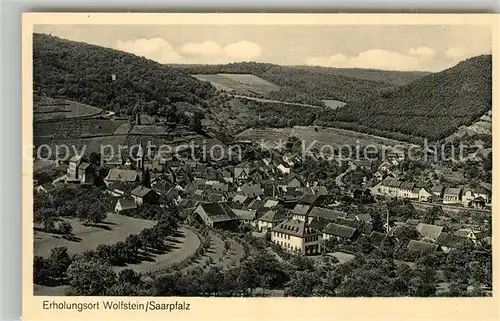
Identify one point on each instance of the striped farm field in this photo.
(239, 83)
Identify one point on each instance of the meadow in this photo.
(49, 109)
(243, 84)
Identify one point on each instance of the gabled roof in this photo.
(301, 209)
(429, 230)
(126, 204)
(453, 191)
(141, 191)
(124, 175)
(326, 213)
(412, 222)
(339, 230)
(364, 217)
(437, 189)
(291, 227)
(273, 215)
(215, 197)
(271, 203)
(377, 238)
(218, 212)
(422, 246)
(309, 198)
(320, 190)
(240, 198)
(252, 190)
(244, 215)
(407, 185)
(255, 204)
(117, 185)
(319, 223)
(450, 240)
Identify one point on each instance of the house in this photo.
(245, 216)
(161, 185)
(143, 195)
(46, 188)
(376, 238)
(271, 219)
(217, 215)
(448, 241)
(424, 195)
(300, 211)
(470, 234)
(270, 203)
(326, 213)
(437, 190)
(172, 196)
(296, 236)
(320, 190)
(294, 182)
(311, 199)
(364, 217)
(216, 198)
(471, 194)
(121, 175)
(340, 232)
(378, 175)
(251, 190)
(241, 173)
(118, 188)
(428, 230)
(283, 169)
(79, 171)
(242, 199)
(422, 247)
(412, 223)
(124, 205)
(452, 195)
(288, 201)
(405, 190)
(255, 204)
(227, 176)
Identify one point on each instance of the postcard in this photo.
(259, 166)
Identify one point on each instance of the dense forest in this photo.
(110, 79)
(432, 107)
(320, 83)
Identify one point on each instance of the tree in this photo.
(59, 261)
(378, 223)
(195, 122)
(303, 284)
(129, 276)
(91, 277)
(65, 228)
(41, 271)
(432, 214)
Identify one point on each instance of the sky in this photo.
(390, 47)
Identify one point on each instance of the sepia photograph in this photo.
(260, 160)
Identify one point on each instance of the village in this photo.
(268, 198)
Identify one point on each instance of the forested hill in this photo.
(84, 73)
(432, 107)
(322, 83)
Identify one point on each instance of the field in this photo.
(309, 134)
(77, 127)
(50, 109)
(115, 228)
(240, 83)
(334, 104)
(268, 134)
